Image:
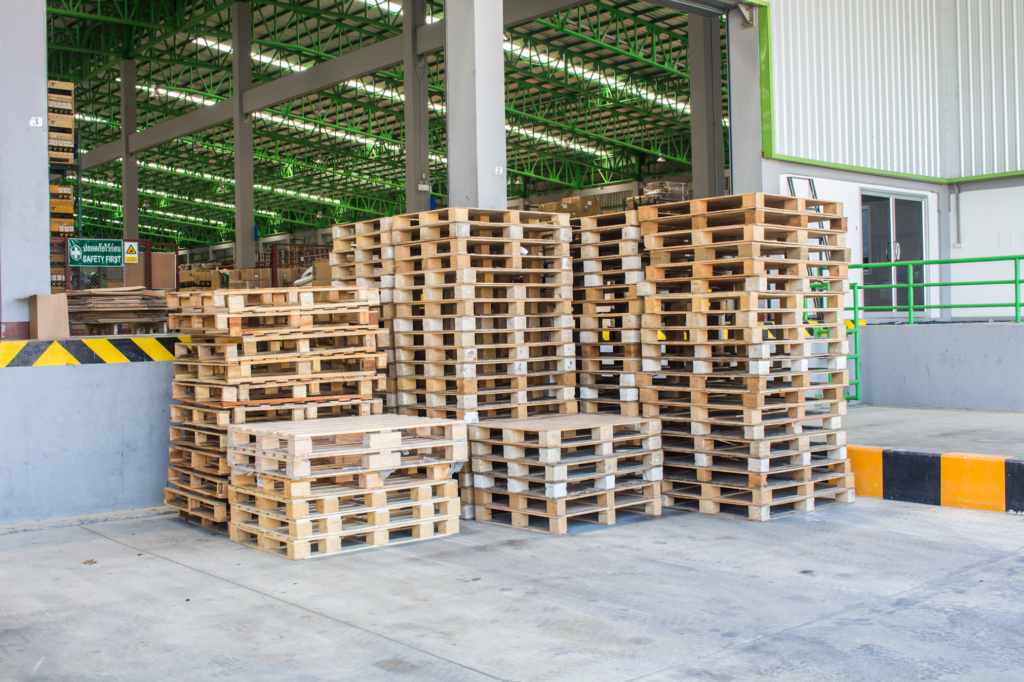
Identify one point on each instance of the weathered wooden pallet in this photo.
(197, 459)
(196, 504)
(420, 255)
(457, 222)
(395, 533)
(351, 340)
(553, 515)
(276, 484)
(603, 404)
(328, 499)
(253, 370)
(457, 398)
(776, 463)
(568, 476)
(272, 324)
(220, 418)
(776, 202)
(258, 300)
(777, 442)
(278, 393)
(495, 410)
(782, 499)
(702, 422)
(555, 436)
(419, 309)
(198, 482)
(199, 437)
(344, 522)
(755, 273)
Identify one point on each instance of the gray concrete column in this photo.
(708, 152)
(241, 74)
(745, 148)
(417, 110)
(24, 185)
(129, 162)
(475, 88)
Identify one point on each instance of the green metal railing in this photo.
(910, 307)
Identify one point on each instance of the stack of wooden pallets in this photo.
(363, 256)
(483, 316)
(744, 347)
(608, 261)
(262, 355)
(541, 472)
(303, 489)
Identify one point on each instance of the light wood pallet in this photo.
(323, 367)
(351, 340)
(760, 496)
(751, 200)
(466, 222)
(400, 531)
(504, 410)
(363, 255)
(345, 447)
(553, 516)
(356, 387)
(259, 300)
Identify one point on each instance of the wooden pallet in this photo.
(197, 505)
(261, 300)
(775, 202)
(327, 500)
(398, 532)
(357, 387)
(496, 410)
(554, 515)
(198, 482)
(352, 481)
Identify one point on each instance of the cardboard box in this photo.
(560, 207)
(60, 104)
(63, 121)
(62, 206)
(48, 316)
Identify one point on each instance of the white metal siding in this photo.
(856, 82)
(990, 55)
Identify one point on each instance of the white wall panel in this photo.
(990, 55)
(856, 82)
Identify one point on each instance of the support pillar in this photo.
(24, 164)
(245, 199)
(475, 87)
(707, 135)
(745, 144)
(417, 110)
(129, 162)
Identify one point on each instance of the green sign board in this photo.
(108, 253)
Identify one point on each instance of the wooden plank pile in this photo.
(262, 355)
(363, 256)
(539, 473)
(104, 311)
(304, 489)
(608, 262)
(744, 353)
(483, 316)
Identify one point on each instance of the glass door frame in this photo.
(897, 315)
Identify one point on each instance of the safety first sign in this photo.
(131, 252)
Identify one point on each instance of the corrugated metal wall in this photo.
(856, 82)
(990, 55)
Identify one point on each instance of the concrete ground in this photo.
(932, 430)
(876, 590)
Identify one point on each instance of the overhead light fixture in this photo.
(319, 214)
(661, 159)
(506, 35)
(319, 109)
(145, 204)
(319, 158)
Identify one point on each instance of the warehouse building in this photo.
(658, 340)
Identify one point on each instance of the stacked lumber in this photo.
(261, 355)
(363, 256)
(105, 310)
(744, 353)
(304, 489)
(542, 472)
(483, 316)
(608, 262)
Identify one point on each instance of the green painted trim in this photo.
(893, 174)
(764, 34)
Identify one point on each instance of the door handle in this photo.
(888, 251)
(898, 250)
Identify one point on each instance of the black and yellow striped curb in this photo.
(88, 351)
(950, 479)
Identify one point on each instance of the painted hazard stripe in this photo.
(88, 351)
(949, 479)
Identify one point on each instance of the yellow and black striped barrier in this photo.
(950, 479)
(88, 351)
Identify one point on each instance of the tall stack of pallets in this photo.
(744, 347)
(329, 486)
(60, 108)
(541, 472)
(261, 355)
(483, 316)
(608, 262)
(363, 256)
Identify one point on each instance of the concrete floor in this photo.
(876, 590)
(927, 430)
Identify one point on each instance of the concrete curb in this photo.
(948, 479)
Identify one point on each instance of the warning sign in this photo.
(131, 252)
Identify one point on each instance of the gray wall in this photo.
(957, 366)
(24, 189)
(82, 439)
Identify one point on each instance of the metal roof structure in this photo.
(595, 95)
